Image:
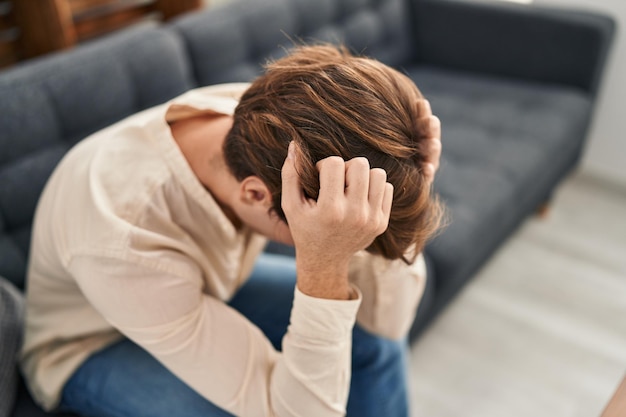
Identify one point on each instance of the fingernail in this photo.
(290, 150)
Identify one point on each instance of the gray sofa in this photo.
(515, 87)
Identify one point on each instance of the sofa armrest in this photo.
(521, 41)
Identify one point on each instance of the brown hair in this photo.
(333, 103)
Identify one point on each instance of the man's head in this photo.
(332, 103)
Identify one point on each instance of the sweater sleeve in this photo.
(160, 305)
(391, 292)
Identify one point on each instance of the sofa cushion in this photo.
(504, 142)
(49, 104)
(229, 42)
(11, 322)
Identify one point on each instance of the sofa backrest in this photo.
(539, 43)
(229, 42)
(48, 104)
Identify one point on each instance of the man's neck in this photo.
(200, 139)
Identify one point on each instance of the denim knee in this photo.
(379, 376)
(370, 350)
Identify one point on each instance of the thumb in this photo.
(292, 192)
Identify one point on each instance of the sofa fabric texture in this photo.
(541, 45)
(11, 322)
(514, 86)
(231, 44)
(501, 140)
(51, 103)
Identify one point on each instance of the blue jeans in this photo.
(123, 380)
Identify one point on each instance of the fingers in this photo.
(364, 194)
(433, 149)
(368, 194)
(378, 178)
(423, 109)
(292, 192)
(429, 129)
(386, 206)
(428, 125)
(358, 180)
(354, 184)
(332, 173)
(353, 206)
(429, 172)
(380, 198)
(434, 128)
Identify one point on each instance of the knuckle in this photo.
(383, 223)
(359, 162)
(435, 123)
(328, 163)
(331, 161)
(424, 107)
(435, 145)
(429, 170)
(379, 173)
(377, 228)
(360, 217)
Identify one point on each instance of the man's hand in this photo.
(430, 128)
(352, 208)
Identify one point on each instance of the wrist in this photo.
(324, 281)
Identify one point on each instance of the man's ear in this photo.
(253, 191)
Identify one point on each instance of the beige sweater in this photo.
(128, 243)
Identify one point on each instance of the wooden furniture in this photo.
(617, 405)
(50, 25)
(8, 34)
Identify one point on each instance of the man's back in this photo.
(125, 192)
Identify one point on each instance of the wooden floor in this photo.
(541, 330)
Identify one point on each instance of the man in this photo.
(142, 299)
